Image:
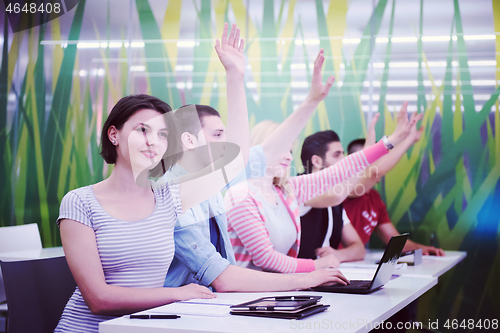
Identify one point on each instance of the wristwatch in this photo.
(387, 144)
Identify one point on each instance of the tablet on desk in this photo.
(283, 307)
(280, 303)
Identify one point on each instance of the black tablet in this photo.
(299, 314)
(279, 303)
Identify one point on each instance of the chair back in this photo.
(37, 291)
(20, 238)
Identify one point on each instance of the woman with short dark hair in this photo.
(117, 234)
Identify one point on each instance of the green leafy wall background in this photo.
(447, 186)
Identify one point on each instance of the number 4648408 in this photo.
(33, 8)
(471, 324)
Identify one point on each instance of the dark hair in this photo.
(185, 120)
(354, 143)
(316, 144)
(121, 112)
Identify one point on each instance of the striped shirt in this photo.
(248, 220)
(133, 253)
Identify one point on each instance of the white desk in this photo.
(353, 312)
(50, 252)
(430, 266)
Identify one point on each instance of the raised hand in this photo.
(371, 135)
(230, 50)
(415, 135)
(403, 126)
(319, 91)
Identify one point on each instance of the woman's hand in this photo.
(326, 261)
(230, 50)
(415, 135)
(371, 135)
(404, 126)
(326, 276)
(194, 290)
(319, 91)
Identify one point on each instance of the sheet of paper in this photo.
(357, 264)
(196, 307)
(358, 273)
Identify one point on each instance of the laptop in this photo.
(382, 275)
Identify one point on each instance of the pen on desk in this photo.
(153, 316)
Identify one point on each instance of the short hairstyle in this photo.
(354, 143)
(316, 144)
(184, 117)
(121, 112)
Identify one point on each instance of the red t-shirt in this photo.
(365, 213)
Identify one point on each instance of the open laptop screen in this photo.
(388, 261)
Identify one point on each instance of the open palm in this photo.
(319, 91)
(230, 50)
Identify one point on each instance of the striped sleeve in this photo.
(174, 192)
(250, 238)
(311, 185)
(73, 208)
(169, 191)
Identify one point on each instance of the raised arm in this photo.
(380, 168)
(200, 186)
(230, 52)
(338, 191)
(336, 195)
(280, 140)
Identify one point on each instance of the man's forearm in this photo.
(236, 278)
(237, 115)
(380, 168)
(351, 253)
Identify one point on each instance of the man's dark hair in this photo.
(354, 143)
(316, 144)
(121, 112)
(185, 120)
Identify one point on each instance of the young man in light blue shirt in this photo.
(197, 259)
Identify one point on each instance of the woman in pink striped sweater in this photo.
(263, 217)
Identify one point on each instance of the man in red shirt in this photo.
(366, 213)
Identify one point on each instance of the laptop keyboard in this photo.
(354, 285)
(358, 284)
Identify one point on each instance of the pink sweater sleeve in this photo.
(252, 238)
(311, 185)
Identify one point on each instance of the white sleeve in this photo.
(344, 217)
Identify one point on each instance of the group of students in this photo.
(158, 229)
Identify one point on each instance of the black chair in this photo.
(37, 291)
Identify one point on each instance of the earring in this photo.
(113, 142)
